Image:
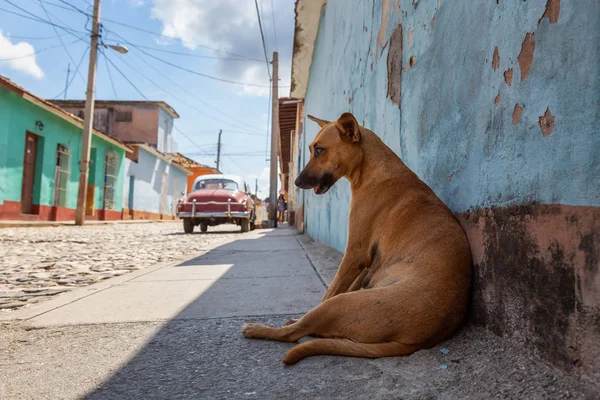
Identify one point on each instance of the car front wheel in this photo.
(188, 225)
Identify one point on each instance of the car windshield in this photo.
(216, 184)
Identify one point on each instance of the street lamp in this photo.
(117, 47)
(88, 118)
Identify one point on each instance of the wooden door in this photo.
(28, 173)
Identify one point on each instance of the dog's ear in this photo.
(321, 122)
(348, 127)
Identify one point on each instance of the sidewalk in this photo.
(174, 331)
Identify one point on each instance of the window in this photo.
(216, 184)
(61, 176)
(124, 116)
(111, 173)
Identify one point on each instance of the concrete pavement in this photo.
(174, 331)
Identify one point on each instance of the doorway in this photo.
(29, 161)
(131, 192)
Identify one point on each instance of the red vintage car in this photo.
(216, 200)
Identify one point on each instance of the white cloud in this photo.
(232, 27)
(19, 56)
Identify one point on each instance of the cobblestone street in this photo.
(38, 263)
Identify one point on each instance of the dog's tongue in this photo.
(316, 189)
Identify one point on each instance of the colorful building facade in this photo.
(153, 184)
(40, 146)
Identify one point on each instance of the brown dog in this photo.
(406, 251)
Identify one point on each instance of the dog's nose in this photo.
(298, 181)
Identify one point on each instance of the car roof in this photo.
(236, 178)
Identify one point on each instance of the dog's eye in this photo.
(318, 150)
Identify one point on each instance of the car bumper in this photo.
(212, 214)
(233, 214)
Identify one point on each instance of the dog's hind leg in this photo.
(358, 282)
(345, 347)
(348, 315)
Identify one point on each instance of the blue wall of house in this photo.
(447, 126)
(148, 179)
(526, 190)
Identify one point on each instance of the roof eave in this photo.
(308, 15)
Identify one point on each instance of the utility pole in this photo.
(86, 140)
(219, 150)
(256, 187)
(67, 81)
(274, 142)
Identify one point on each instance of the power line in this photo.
(38, 51)
(59, 38)
(153, 82)
(235, 162)
(194, 55)
(69, 5)
(174, 38)
(123, 75)
(194, 143)
(37, 37)
(242, 123)
(274, 29)
(201, 74)
(73, 8)
(112, 84)
(262, 36)
(73, 78)
(36, 18)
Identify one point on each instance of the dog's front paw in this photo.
(249, 330)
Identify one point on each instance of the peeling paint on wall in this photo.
(508, 76)
(394, 65)
(517, 114)
(552, 11)
(496, 59)
(385, 11)
(526, 56)
(497, 99)
(547, 123)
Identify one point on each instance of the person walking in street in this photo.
(281, 208)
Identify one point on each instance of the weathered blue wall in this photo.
(517, 158)
(447, 127)
(148, 173)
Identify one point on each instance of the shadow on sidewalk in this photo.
(200, 352)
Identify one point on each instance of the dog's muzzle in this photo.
(319, 185)
(306, 182)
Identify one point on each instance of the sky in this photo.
(203, 57)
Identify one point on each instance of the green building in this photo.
(40, 146)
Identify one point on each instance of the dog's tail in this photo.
(345, 347)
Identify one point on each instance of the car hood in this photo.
(216, 195)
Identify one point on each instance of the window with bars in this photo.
(61, 177)
(111, 173)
